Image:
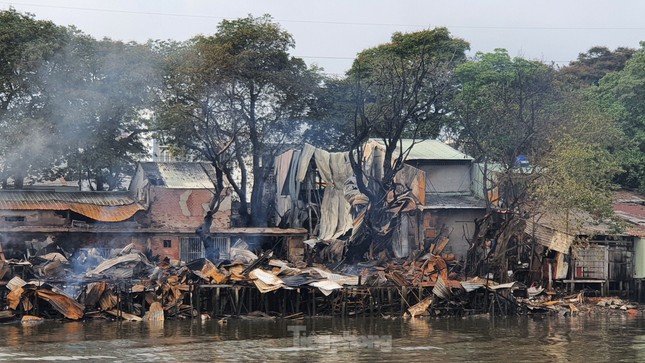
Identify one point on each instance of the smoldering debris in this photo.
(128, 286)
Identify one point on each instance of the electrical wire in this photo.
(11, 3)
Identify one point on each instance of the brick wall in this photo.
(159, 248)
(185, 209)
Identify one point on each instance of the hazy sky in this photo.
(331, 32)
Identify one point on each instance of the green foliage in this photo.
(576, 173)
(594, 64)
(501, 111)
(510, 107)
(577, 176)
(69, 105)
(107, 84)
(26, 47)
(403, 88)
(328, 123)
(624, 94)
(237, 96)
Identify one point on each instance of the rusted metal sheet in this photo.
(62, 303)
(441, 289)
(421, 308)
(548, 237)
(107, 214)
(14, 297)
(100, 206)
(155, 313)
(631, 207)
(28, 198)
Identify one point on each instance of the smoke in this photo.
(82, 112)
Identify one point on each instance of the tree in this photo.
(502, 107)
(623, 94)
(512, 107)
(69, 105)
(98, 91)
(234, 99)
(26, 47)
(328, 120)
(402, 89)
(594, 64)
(578, 167)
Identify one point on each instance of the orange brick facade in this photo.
(175, 209)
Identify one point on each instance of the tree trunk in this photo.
(204, 230)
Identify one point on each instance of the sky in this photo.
(330, 33)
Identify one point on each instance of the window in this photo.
(14, 219)
(167, 243)
(191, 248)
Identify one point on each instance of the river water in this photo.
(478, 338)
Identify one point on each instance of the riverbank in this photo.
(129, 286)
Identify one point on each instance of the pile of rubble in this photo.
(127, 285)
(540, 300)
(131, 285)
(50, 287)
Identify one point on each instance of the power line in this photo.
(323, 57)
(319, 21)
(322, 22)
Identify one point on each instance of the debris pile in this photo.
(578, 304)
(130, 285)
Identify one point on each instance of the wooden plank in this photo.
(123, 315)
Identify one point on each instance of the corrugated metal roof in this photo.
(631, 207)
(180, 175)
(432, 150)
(549, 237)
(628, 206)
(100, 206)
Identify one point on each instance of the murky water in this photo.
(532, 339)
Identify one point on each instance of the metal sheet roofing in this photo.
(628, 206)
(180, 175)
(549, 237)
(432, 150)
(631, 208)
(100, 206)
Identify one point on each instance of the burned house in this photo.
(29, 218)
(176, 196)
(585, 254)
(315, 191)
(451, 207)
(160, 211)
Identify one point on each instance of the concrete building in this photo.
(450, 203)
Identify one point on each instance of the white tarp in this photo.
(334, 169)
